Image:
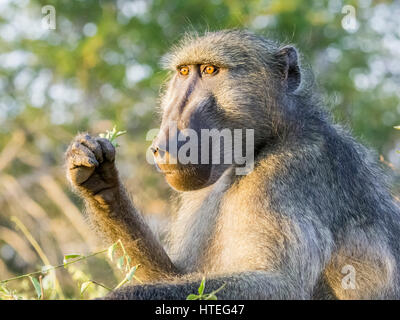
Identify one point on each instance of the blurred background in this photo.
(100, 67)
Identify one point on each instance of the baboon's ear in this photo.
(291, 69)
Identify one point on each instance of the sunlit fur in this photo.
(315, 202)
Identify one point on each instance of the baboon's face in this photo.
(219, 81)
(189, 103)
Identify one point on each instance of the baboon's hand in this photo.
(91, 167)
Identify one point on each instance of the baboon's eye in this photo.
(184, 70)
(210, 69)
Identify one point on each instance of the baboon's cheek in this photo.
(193, 178)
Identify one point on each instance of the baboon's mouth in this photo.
(171, 172)
(165, 169)
(168, 172)
(184, 177)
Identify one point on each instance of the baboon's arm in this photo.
(299, 262)
(92, 173)
(250, 285)
(124, 222)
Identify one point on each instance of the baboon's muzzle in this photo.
(181, 176)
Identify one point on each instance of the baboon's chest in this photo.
(219, 230)
(193, 229)
(218, 237)
(237, 243)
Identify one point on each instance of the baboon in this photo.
(314, 219)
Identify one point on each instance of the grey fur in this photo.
(316, 201)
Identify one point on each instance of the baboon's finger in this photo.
(93, 145)
(79, 156)
(79, 175)
(108, 148)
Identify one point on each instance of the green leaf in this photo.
(4, 289)
(120, 262)
(111, 251)
(192, 297)
(85, 285)
(71, 256)
(131, 273)
(211, 297)
(37, 287)
(128, 262)
(202, 285)
(112, 135)
(120, 133)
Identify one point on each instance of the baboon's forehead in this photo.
(223, 49)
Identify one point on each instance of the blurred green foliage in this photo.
(101, 62)
(100, 67)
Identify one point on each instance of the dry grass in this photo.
(37, 195)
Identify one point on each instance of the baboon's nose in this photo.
(158, 152)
